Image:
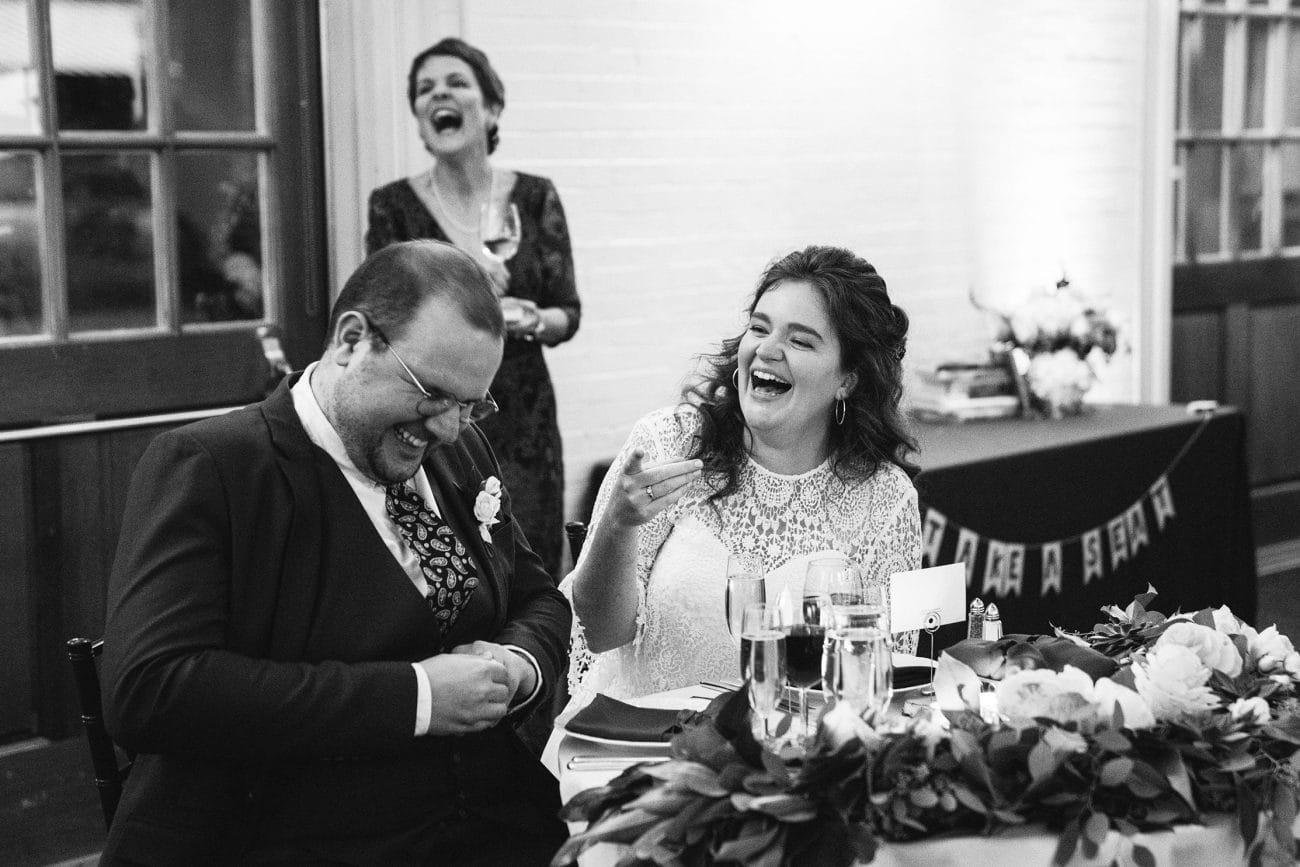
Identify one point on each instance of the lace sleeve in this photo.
(662, 435)
(892, 538)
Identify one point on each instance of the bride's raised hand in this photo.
(645, 491)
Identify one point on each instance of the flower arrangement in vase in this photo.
(1056, 339)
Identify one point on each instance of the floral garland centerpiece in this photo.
(1058, 339)
(1142, 724)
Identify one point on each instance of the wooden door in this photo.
(1236, 286)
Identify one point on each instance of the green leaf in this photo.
(1068, 843)
(1142, 856)
(1284, 813)
(1096, 828)
(688, 775)
(1247, 813)
(969, 799)
(1116, 771)
(745, 848)
(662, 801)
(787, 808)
(1111, 740)
(1042, 761)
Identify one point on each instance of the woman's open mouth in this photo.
(445, 119)
(764, 384)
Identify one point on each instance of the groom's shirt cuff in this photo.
(423, 700)
(537, 680)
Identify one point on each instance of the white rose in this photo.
(1252, 710)
(492, 485)
(1273, 652)
(486, 507)
(1172, 681)
(1041, 692)
(842, 724)
(1213, 647)
(1062, 741)
(1226, 621)
(1137, 714)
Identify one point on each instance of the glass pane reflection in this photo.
(1256, 70)
(211, 79)
(20, 105)
(20, 259)
(108, 220)
(1291, 194)
(1292, 92)
(100, 58)
(1203, 48)
(219, 236)
(1246, 216)
(1204, 184)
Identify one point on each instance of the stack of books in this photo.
(961, 392)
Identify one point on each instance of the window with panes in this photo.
(1238, 136)
(160, 190)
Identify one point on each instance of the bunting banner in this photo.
(1099, 551)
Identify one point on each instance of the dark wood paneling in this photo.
(1276, 512)
(15, 608)
(64, 517)
(1200, 287)
(1196, 361)
(1275, 392)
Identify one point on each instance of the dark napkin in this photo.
(989, 658)
(614, 720)
(908, 676)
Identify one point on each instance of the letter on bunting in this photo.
(1163, 501)
(1118, 541)
(1136, 520)
(995, 570)
(968, 543)
(935, 523)
(1052, 568)
(1093, 566)
(1014, 574)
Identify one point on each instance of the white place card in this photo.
(927, 598)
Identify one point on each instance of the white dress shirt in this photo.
(372, 497)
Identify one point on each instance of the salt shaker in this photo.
(975, 619)
(992, 623)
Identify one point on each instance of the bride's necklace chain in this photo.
(471, 229)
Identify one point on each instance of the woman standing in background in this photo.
(457, 99)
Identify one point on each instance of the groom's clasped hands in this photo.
(473, 686)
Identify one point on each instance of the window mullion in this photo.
(54, 280)
(166, 269)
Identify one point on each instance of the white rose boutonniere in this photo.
(487, 505)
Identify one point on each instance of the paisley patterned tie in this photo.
(446, 565)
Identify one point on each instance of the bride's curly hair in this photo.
(872, 333)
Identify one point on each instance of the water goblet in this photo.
(864, 669)
(763, 659)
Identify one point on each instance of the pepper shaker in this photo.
(992, 623)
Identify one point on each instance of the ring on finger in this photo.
(650, 491)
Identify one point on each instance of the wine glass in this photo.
(745, 586)
(499, 229)
(805, 635)
(763, 658)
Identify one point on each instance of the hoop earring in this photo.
(735, 378)
(839, 411)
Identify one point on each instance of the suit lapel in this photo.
(451, 490)
(301, 573)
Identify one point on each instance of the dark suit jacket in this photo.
(258, 649)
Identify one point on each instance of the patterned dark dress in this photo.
(524, 434)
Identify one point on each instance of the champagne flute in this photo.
(763, 658)
(499, 229)
(745, 586)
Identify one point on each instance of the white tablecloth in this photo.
(1217, 844)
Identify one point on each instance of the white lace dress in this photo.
(779, 521)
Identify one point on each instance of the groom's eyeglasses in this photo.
(437, 402)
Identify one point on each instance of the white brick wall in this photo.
(955, 145)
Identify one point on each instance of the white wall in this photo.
(957, 146)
